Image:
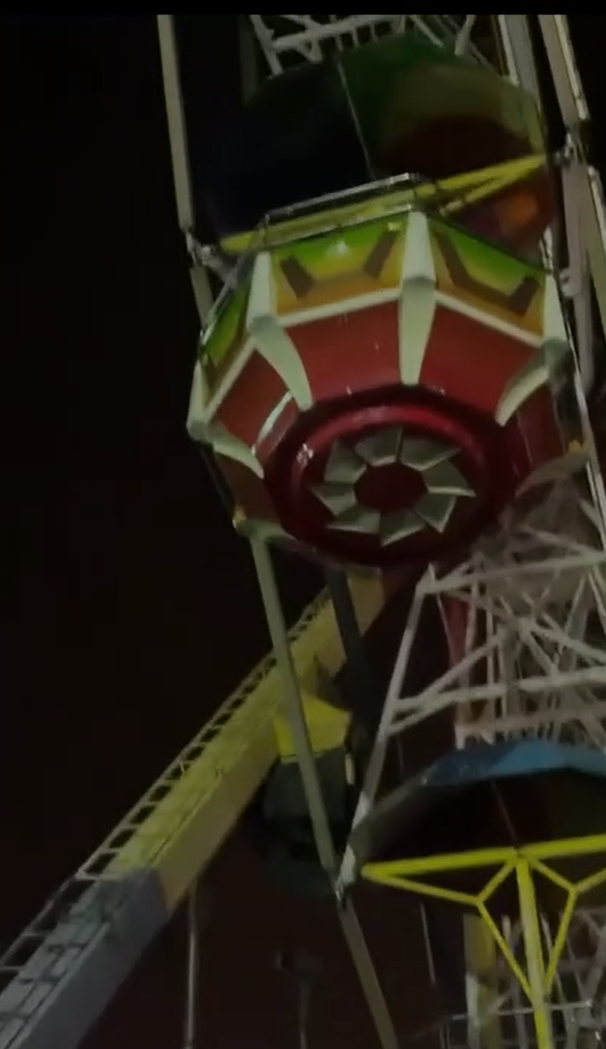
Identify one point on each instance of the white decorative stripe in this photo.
(417, 298)
(261, 298)
(521, 387)
(224, 443)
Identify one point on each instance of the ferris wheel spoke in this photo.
(585, 205)
(179, 151)
(517, 52)
(192, 971)
(293, 705)
(179, 148)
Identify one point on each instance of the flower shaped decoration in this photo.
(390, 486)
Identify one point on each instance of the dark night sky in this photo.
(128, 582)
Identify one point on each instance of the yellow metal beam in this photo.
(181, 822)
(450, 195)
(536, 973)
(327, 725)
(66, 968)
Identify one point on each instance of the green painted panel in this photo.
(488, 263)
(325, 254)
(228, 326)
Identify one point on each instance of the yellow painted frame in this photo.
(469, 188)
(538, 980)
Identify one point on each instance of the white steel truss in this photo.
(533, 663)
(535, 650)
(289, 39)
(577, 1009)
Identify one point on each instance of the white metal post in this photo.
(193, 970)
(317, 810)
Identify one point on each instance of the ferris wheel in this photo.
(403, 308)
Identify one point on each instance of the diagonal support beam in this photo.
(350, 925)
